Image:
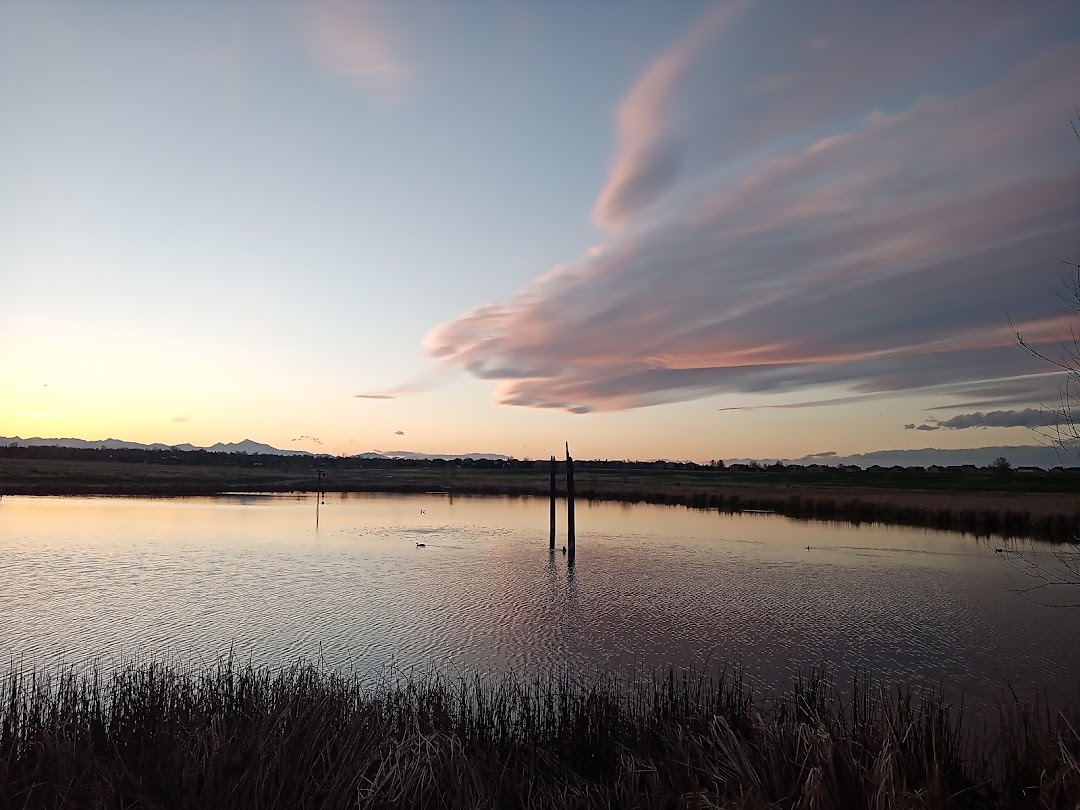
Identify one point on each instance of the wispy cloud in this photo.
(648, 149)
(1029, 388)
(355, 39)
(881, 251)
(1028, 417)
(813, 403)
(426, 380)
(1035, 388)
(776, 83)
(179, 419)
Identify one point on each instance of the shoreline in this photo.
(1040, 515)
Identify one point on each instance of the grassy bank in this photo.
(1046, 506)
(157, 736)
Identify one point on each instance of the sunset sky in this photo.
(685, 230)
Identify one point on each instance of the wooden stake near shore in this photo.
(570, 537)
(552, 542)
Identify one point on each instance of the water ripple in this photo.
(652, 586)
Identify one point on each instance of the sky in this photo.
(687, 230)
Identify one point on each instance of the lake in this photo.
(273, 579)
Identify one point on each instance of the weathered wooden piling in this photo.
(319, 472)
(570, 538)
(552, 534)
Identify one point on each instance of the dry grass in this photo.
(155, 735)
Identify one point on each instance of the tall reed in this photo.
(155, 734)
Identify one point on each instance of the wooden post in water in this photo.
(318, 495)
(551, 544)
(570, 537)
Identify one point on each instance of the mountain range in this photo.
(1019, 455)
(1033, 455)
(246, 446)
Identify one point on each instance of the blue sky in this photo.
(639, 227)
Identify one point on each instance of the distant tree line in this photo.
(202, 458)
(306, 462)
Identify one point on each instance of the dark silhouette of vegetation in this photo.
(974, 501)
(1061, 429)
(959, 478)
(154, 735)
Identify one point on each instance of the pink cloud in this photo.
(353, 39)
(647, 152)
(885, 253)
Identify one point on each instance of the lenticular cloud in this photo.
(880, 248)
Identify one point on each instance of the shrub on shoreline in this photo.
(158, 735)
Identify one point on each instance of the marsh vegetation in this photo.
(979, 502)
(158, 734)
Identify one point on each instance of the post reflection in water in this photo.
(193, 577)
(572, 604)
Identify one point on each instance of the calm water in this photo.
(110, 578)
